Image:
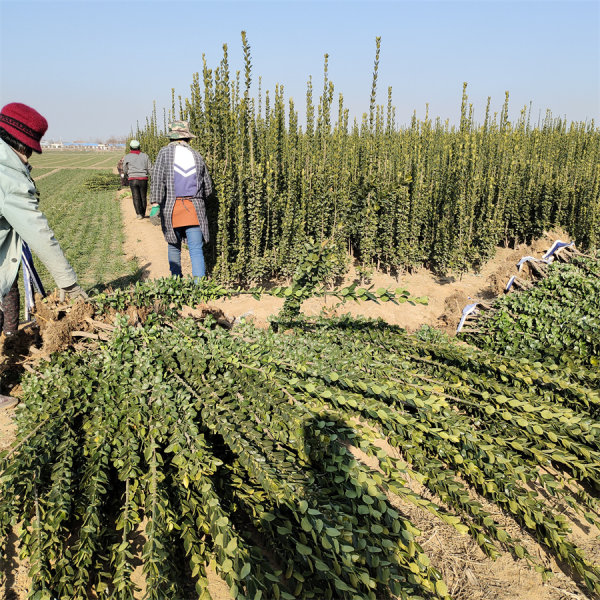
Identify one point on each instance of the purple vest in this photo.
(184, 172)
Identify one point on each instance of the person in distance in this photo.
(124, 182)
(21, 129)
(137, 169)
(180, 187)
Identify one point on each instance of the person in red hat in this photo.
(21, 130)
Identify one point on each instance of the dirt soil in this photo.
(470, 575)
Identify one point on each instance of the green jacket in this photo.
(21, 220)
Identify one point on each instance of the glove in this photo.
(155, 214)
(73, 291)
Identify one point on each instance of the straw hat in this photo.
(180, 130)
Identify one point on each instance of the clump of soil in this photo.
(56, 322)
(498, 280)
(137, 314)
(453, 306)
(13, 353)
(204, 310)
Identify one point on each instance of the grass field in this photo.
(41, 172)
(86, 223)
(74, 159)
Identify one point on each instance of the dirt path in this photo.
(143, 241)
(47, 174)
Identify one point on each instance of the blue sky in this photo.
(94, 67)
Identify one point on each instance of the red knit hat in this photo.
(24, 124)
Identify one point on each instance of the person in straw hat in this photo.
(179, 189)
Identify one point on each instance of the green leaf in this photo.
(245, 570)
(441, 588)
(302, 549)
(227, 565)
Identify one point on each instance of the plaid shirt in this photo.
(162, 190)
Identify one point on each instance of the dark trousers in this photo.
(139, 191)
(9, 311)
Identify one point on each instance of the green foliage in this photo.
(225, 443)
(317, 264)
(427, 194)
(103, 181)
(162, 294)
(320, 263)
(556, 322)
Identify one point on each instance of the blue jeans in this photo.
(193, 233)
